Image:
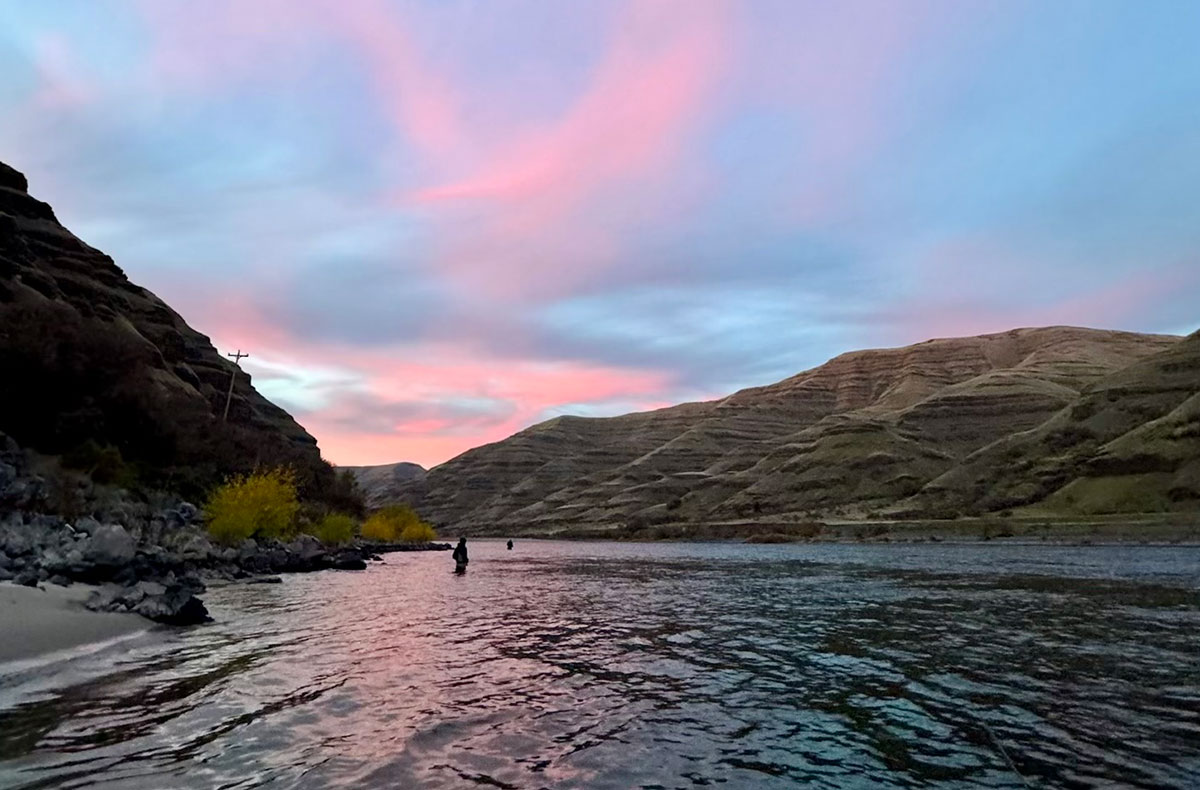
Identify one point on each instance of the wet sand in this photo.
(35, 621)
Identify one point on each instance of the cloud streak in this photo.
(434, 224)
(539, 192)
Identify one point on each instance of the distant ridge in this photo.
(384, 483)
(1066, 419)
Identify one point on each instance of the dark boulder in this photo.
(347, 560)
(176, 605)
(171, 601)
(110, 545)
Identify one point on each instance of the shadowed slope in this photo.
(383, 483)
(88, 356)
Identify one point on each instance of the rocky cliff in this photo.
(1059, 417)
(91, 360)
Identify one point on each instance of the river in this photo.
(610, 665)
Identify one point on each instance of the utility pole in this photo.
(238, 357)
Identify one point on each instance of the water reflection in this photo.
(566, 665)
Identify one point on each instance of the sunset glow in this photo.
(435, 224)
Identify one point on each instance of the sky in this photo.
(432, 224)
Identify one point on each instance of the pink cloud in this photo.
(215, 44)
(831, 72)
(833, 64)
(62, 83)
(514, 392)
(359, 449)
(535, 206)
(527, 388)
(970, 286)
(537, 192)
(62, 87)
(640, 103)
(205, 46)
(422, 103)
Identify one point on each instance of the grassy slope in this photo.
(1130, 443)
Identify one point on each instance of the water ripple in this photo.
(568, 665)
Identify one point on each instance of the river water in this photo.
(606, 665)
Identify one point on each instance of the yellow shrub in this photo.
(397, 523)
(261, 505)
(335, 528)
(377, 528)
(418, 532)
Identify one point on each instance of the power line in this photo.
(238, 357)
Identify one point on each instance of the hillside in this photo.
(1129, 443)
(92, 360)
(1057, 417)
(384, 483)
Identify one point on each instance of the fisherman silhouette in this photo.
(460, 556)
(510, 545)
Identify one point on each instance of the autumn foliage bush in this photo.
(397, 523)
(259, 505)
(420, 532)
(335, 528)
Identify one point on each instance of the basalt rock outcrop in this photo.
(1063, 418)
(147, 550)
(92, 360)
(135, 577)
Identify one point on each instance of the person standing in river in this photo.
(460, 556)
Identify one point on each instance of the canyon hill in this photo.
(1058, 419)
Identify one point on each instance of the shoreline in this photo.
(1133, 529)
(38, 622)
(963, 541)
(955, 542)
(42, 617)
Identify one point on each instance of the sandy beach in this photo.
(35, 621)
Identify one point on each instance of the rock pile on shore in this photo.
(151, 558)
(139, 578)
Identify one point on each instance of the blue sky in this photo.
(433, 224)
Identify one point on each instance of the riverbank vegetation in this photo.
(335, 529)
(265, 505)
(397, 523)
(262, 504)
